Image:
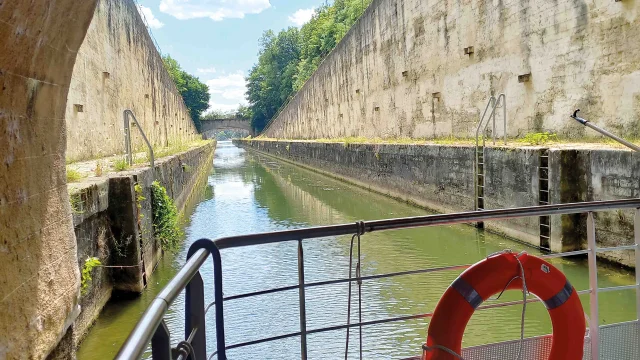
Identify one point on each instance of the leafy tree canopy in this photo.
(194, 92)
(286, 60)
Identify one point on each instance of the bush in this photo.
(121, 165)
(89, 264)
(538, 138)
(73, 175)
(166, 226)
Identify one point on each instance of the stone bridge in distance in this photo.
(211, 127)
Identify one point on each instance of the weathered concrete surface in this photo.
(39, 286)
(591, 175)
(512, 180)
(402, 70)
(441, 178)
(119, 68)
(210, 127)
(113, 222)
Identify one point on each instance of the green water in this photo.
(248, 193)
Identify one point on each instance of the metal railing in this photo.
(492, 104)
(127, 138)
(152, 328)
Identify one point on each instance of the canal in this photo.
(249, 193)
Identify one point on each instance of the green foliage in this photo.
(194, 92)
(286, 60)
(75, 200)
(165, 218)
(121, 164)
(73, 175)
(538, 138)
(89, 264)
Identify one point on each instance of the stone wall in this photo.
(39, 286)
(113, 222)
(441, 178)
(402, 71)
(118, 68)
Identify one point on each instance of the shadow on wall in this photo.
(39, 287)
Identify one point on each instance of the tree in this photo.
(286, 60)
(194, 92)
(244, 112)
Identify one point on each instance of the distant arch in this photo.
(210, 127)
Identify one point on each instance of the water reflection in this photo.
(252, 193)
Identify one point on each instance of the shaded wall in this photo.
(39, 286)
(402, 71)
(114, 223)
(119, 68)
(441, 178)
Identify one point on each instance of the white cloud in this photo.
(214, 9)
(147, 15)
(227, 91)
(210, 70)
(302, 16)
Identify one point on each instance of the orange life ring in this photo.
(489, 277)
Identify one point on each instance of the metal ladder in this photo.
(543, 199)
(479, 163)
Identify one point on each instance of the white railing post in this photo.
(593, 285)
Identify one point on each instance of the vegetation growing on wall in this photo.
(194, 92)
(165, 218)
(89, 264)
(287, 59)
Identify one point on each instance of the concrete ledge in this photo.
(113, 222)
(441, 178)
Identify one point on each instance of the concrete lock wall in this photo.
(118, 68)
(39, 286)
(441, 178)
(402, 70)
(114, 223)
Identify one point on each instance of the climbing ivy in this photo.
(165, 218)
(89, 264)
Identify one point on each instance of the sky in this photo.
(217, 40)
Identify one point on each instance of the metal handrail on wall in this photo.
(127, 137)
(493, 103)
(152, 327)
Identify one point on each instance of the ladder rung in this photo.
(545, 225)
(544, 191)
(546, 237)
(544, 203)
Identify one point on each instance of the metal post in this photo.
(493, 133)
(194, 319)
(636, 233)
(127, 139)
(593, 285)
(504, 116)
(302, 303)
(161, 343)
(604, 132)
